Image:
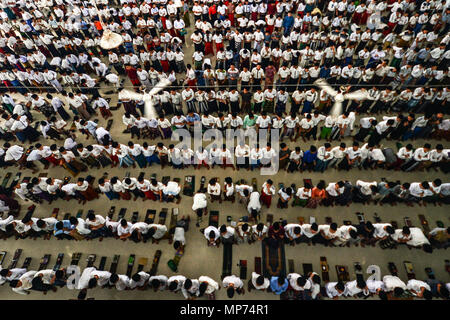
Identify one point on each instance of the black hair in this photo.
(427, 248)
(259, 280)
(398, 291)
(427, 295)
(114, 278)
(155, 283)
(187, 284)
(230, 292)
(173, 285)
(316, 279)
(92, 283)
(301, 281)
(444, 293)
(390, 230)
(382, 295)
(340, 286)
(4, 272)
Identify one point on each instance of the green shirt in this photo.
(250, 122)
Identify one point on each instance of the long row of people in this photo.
(331, 235)
(297, 286)
(80, 157)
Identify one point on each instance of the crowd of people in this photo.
(43, 189)
(340, 193)
(95, 226)
(396, 44)
(253, 66)
(398, 127)
(77, 157)
(331, 235)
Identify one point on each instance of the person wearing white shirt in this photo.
(214, 190)
(212, 235)
(356, 287)
(335, 193)
(207, 286)
(419, 289)
(254, 205)
(334, 289)
(421, 155)
(394, 284)
(120, 281)
(227, 234)
(23, 284)
(124, 229)
(233, 284)
(156, 232)
(242, 153)
(139, 280)
(7, 275)
(171, 190)
(324, 156)
(200, 203)
(202, 158)
(263, 122)
(258, 282)
(299, 283)
(293, 232)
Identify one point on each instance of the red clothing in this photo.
(150, 195)
(125, 195)
(271, 8)
(114, 158)
(165, 65)
(364, 18)
(192, 83)
(132, 74)
(150, 46)
(388, 30)
(212, 9)
(266, 199)
(172, 32)
(219, 46)
(231, 18)
(52, 160)
(357, 17)
(277, 234)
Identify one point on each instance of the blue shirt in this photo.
(324, 73)
(288, 21)
(309, 157)
(66, 225)
(276, 288)
(423, 54)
